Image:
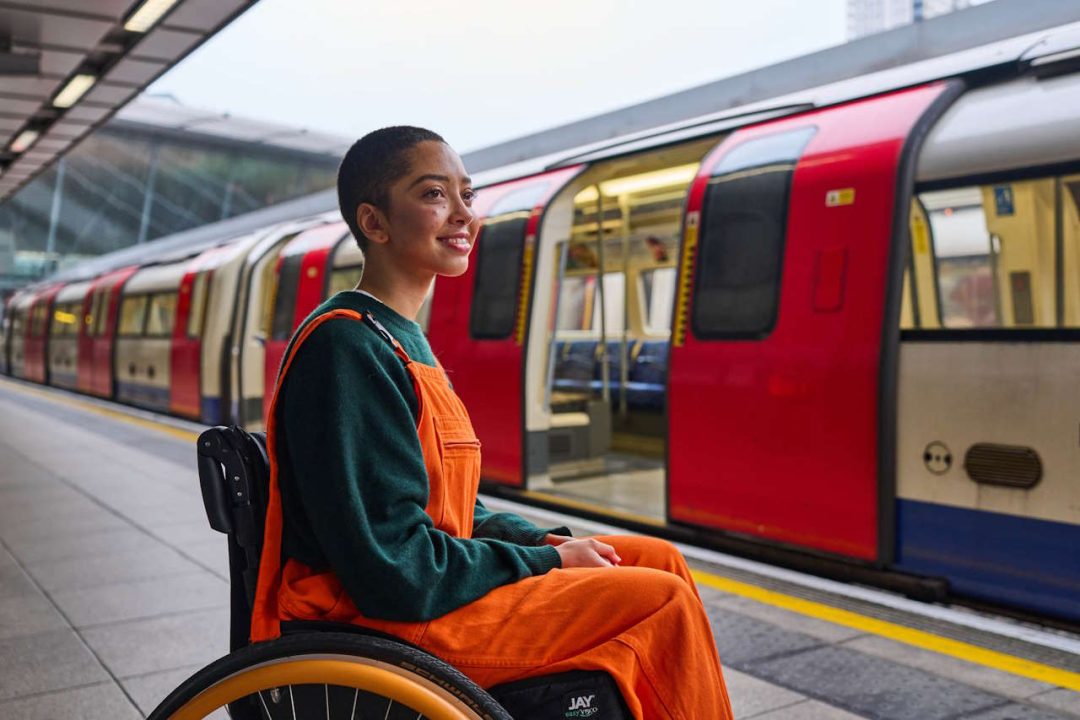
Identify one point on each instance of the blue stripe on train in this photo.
(1034, 564)
(210, 408)
(147, 396)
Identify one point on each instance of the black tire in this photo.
(418, 666)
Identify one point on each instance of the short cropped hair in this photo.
(374, 163)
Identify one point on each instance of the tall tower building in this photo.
(866, 17)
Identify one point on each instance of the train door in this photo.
(987, 454)
(783, 352)
(607, 267)
(19, 307)
(478, 323)
(185, 393)
(255, 311)
(37, 339)
(300, 287)
(105, 307)
(65, 331)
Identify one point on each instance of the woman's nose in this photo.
(462, 213)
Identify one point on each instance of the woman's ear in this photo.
(372, 223)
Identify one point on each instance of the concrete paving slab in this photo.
(104, 701)
(808, 710)
(870, 686)
(14, 582)
(742, 639)
(149, 690)
(182, 534)
(77, 525)
(33, 551)
(71, 574)
(1015, 711)
(1061, 700)
(140, 647)
(751, 697)
(33, 664)
(213, 554)
(142, 599)
(28, 614)
(980, 676)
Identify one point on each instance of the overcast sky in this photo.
(484, 71)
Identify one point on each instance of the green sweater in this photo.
(354, 485)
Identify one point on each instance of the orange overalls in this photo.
(642, 622)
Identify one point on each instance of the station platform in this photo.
(113, 590)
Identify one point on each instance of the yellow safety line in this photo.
(105, 412)
(899, 633)
(916, 638)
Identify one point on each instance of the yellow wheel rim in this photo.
(321, 672)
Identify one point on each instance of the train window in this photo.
(498, 277)
(741, 245)
(91, 315)
(107, 308)
(575, 302)
(614, 302)
(285, 297)
(161, 315)
(197, 311)
(1006, 254)
(345, 278)
(132, 315)
(64, 320)
(39, 317)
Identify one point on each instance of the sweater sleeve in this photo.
(510, 527)
(358, 470)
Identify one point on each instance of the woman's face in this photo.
(430, 223)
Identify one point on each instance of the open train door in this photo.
(784, 341)
(479, 321)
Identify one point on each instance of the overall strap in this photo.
(382, 332)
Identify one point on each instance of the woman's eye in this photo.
(434, 193)
(469, 196)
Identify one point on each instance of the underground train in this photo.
(841, 327)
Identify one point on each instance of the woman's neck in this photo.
(404, 298)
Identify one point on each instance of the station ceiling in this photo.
(66, 66)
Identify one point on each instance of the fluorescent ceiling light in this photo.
(26, 139)
(74, 90)
(148, 14)
(668, 177)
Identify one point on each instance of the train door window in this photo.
(285, 300)
(161, 315)
(345, 278)
(743, 230)
(575, 302)
(38, 320)
(101, 321)
(64, 320)
(614, 305)
(91, 314)
(498, 277)
(200, 287)
(1069, 216)
(132, 315)
(1000, 252)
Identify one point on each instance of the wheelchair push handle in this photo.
(211, 447)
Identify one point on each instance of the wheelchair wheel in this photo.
(328, 676)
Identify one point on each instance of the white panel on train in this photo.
(1026, 122)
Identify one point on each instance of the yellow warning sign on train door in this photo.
(843, 196)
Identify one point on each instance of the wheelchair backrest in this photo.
(234, 474)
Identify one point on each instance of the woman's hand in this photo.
(587, 553)
(556, 540)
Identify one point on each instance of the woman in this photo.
(373, 517)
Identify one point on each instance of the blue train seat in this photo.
(647, 377)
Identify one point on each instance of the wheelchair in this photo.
(333, 670)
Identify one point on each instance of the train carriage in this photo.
(838, 329)
(67, 328)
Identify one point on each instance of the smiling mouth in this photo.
(456, 242)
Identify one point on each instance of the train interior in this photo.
(611, 277)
